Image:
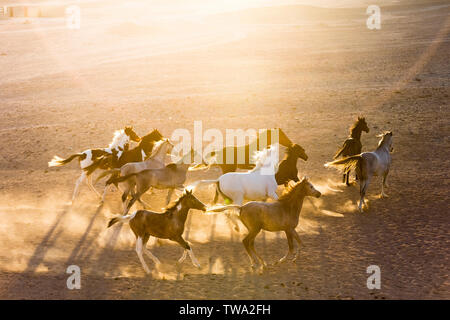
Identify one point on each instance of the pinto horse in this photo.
(88, 159)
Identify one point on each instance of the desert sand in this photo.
(309, 70)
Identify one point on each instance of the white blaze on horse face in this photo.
(143, 155)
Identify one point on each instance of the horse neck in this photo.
(160, 153)
(356, 133)
(295, 207)
(181, 214)
(289, 157)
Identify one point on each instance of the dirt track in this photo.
(62, 94)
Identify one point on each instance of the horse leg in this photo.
(290, 240)
(169, 195)
(139, 250)
(347, 182)
(383, 184)
(246, 242)
(148, 252)
(363, 189)
(89, 183)
(252, 247)
(216, 196)
(187, 249)
(77, 185)
(297, 238)
(124, 201)
(343, 178)
(132, 201)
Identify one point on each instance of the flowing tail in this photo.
(233, 214)
(121, 219)
(114, 172)
(198, 183)
(215, 209)
(345, 147)
(57, 161)
(346, 164)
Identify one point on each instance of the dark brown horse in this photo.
(287, 168)
(352, 146)
(264, 139)
(281, 215)
(164, 225)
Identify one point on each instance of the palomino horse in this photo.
(171, 176)
(281, 215)
(155, 160)
(352, 146)
(164, 225)
(264, 139)
(88, 158)
(369, 164)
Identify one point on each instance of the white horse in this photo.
(256, 184)
(369, 164)
(88, 157)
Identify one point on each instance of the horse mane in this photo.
(120, 138)
(157, 147)
(262, 156)
(290, 193)
(171, 207)
(383, 137)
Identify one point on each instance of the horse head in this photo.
(362, 124)
(297, 151)
(386, 140)
(132, 135)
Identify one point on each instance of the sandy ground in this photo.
(310, 71)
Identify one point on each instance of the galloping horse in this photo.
(164, 225)
(368, 164)
(256, 184)
(155, 160)
(287, 168)
(88, 159)
(264, 139)
(281, 215)
(352, 145)
(171, 176)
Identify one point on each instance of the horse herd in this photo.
(137, 170)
